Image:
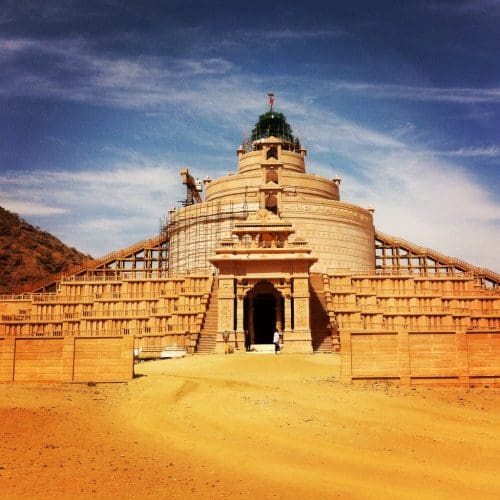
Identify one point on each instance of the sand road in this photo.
(247, 426)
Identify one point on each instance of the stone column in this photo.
(250, 318)
(287, 296)
(240, 295)
(240, 334)
(287, 306)
(225, 320)
(279, 319)
(302, 340)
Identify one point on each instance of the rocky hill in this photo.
(28, 254)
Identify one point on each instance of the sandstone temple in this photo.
(271, 246)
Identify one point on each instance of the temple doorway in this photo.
(264, 318)
(263, 312)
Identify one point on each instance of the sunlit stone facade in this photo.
(272, 176)
(270, 247)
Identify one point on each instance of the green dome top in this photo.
(274, 124)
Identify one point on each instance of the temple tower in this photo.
(272, 175)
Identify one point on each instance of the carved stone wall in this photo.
(416, 329)
(339, 234)
(157, 312)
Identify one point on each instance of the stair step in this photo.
(321, 334)
(261, 349)
(207, 338)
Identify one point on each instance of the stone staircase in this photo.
(331, 313)
(208, 333)
(322, 341)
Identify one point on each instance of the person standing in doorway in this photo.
(276, 341)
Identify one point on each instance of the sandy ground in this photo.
(247, 426)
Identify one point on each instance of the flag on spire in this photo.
(271, 101)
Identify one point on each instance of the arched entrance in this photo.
(264, 318)
(263, 283)
(263, 312)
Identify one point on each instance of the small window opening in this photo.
(272, 152)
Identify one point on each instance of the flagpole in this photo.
(271, 101)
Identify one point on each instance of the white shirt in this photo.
(276, 337)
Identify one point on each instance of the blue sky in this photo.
(101, 104)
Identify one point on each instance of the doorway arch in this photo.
(263, 310)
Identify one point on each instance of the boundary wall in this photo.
(66, 359)
(465, 358)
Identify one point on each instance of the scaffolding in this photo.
(189, 236)
(193, 233)
(145, 258)
(395, 255)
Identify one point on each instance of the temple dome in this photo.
(274, 124)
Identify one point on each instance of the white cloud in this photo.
(12, 46)
(466, 7)
(328, 129)
(27, 208)
(73, 71)
(288, 34)
(488, 151)
(460, 95)
(417, 195)
(430, 203)
(95, 211)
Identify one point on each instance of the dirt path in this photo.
(247, 426)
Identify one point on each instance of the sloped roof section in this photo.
(396, 254)
(146, 254)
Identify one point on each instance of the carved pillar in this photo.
(225, 320)
(241, 292)
(279, 318)
(250, 317)
(301, 303)
(240, 295)
(301, 338)
(288, 312)
(301, 313)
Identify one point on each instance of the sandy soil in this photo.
(247, 426)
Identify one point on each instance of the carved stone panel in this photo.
(225, 316)
(226, 287)
(301, 313)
